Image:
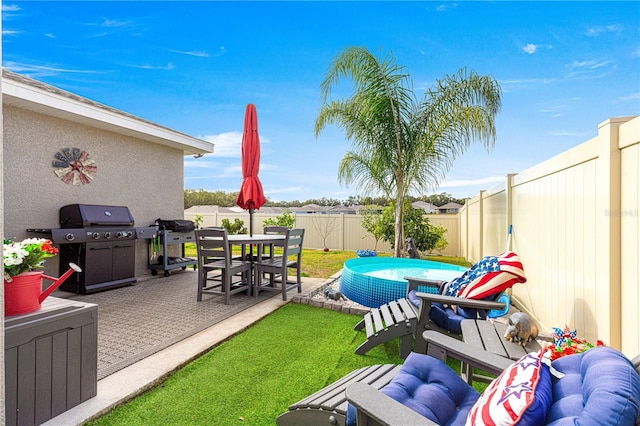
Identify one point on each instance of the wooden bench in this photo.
(328, 406)
(394, 319)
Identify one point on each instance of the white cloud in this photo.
(10, 8)
(557, 110)
(603, 29)
(531, 48)
(36, 71)
(196, 53)
(589, 69)
(228, 144)
(114, 23)
(446, 7)
(209, 167)
(10, 32)
(167, 67)
(631, 97)
(566, 133)
(50, 35)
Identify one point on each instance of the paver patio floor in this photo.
(160, 326)
(139, 320)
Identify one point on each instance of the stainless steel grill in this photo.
(101, 240)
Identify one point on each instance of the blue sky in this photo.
(564, 67)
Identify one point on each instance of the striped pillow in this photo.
(491, 275)
(520, 395)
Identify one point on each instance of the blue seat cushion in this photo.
(429, 387)
(600, 387)
(445, 316)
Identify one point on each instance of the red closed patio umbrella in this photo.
(251, 196)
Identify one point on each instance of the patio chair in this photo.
(268, 249)
(404, 394)
(597, 387)
(441, 306)
(214, 255)
(279, 266)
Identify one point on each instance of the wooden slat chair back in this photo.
(268, 249)
(214, 256)
(279, 265)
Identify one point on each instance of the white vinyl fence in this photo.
(576, 227)
(335, 231)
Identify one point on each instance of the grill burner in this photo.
(101, 240)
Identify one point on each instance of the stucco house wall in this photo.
(141, 172)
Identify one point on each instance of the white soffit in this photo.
(35, 96)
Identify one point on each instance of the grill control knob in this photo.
(69, 237)
(129, 234)
(121, 234)
(95, 235)
(107, 234)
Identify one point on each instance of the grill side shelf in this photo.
(159, 259)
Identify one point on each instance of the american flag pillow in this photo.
(491, 275)
(520, 395)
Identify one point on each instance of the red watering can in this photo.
(24, 294)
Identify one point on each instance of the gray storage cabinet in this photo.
(51, 360)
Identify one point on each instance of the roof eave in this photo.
(26, 96)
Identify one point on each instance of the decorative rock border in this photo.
(313, 299)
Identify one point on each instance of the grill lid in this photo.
(89, 215)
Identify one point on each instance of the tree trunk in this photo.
(399, 241)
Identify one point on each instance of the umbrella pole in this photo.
(251, 234)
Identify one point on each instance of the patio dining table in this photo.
(260, 240)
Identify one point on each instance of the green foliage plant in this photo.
(442, 242)
(400, 144)
(286, 219)
(197, 220)
(237, 227)
(373, 223)
(416, 225)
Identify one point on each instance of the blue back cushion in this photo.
(600, 387)
(446, 317)
(429, 387)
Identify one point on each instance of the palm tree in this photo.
(399, 144)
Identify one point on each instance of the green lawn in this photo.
(255, 376)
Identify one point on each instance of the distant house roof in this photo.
(341, 209)
(427, 207)
(308, 209)
(450, 208)
(33, 95)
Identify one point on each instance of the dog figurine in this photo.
(336, 295)
(412, 249)
(521, 328)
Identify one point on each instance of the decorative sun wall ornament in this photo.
(74, 166)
